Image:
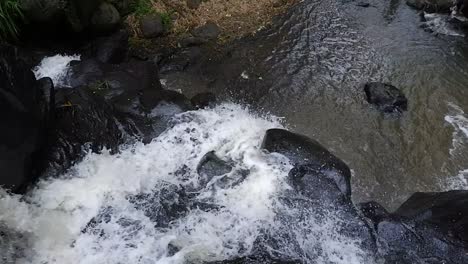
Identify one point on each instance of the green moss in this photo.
(143, 7)
(10, 15)
(166, 20)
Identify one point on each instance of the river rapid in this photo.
(149, 204)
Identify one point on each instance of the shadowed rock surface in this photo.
(25, 113)
(309, 156)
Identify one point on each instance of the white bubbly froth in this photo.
(54, 215)
(56, 68)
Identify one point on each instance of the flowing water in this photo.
(309, 71)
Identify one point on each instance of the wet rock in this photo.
(203, 100)
(308, 155)
(406, 241)
(151, 26)
(24, 114)
(386, 97)
(427, 228)
(208, 31)
(82, 121)
(121, 84)
(112, 49)
(164, 205)
(181, 60)
(12, 245)
(106, 18)
(363, 4)
(193, 4)
(151, 98)
(256, 259)
(448, 211)
(210, 165)
(431, 5)
(373, 211)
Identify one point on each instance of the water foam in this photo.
(458, 182)
(98, 212)
(459, 122)
(441, 24)
(55, 67)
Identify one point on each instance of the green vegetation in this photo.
(10, 15)
(145, 7)
(166, 20)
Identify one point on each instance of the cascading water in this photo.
(147, 204)
(55, 67)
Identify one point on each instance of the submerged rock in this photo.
(386, 97)
(210, 165)
(409, 241)
(25, 115)
(256, 259)
(432, 5)
(308, 155)
(164, 205)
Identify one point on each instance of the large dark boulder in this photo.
(24, 114)
(120, 84)
(68, 21)
(427, 228)
(448, 211)
(111, 49)
(409, 241)
(105, 18)
(309, 156)
(386, 97)
(432, 5)
(83, 121)
(320, 191)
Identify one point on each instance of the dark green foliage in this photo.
(143, 7)
(10, 15)
(166, 20)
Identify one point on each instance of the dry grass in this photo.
(236, 18)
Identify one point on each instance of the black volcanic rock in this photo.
(448, 211)
(309, 155)
(24, 114)
(386, 97)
